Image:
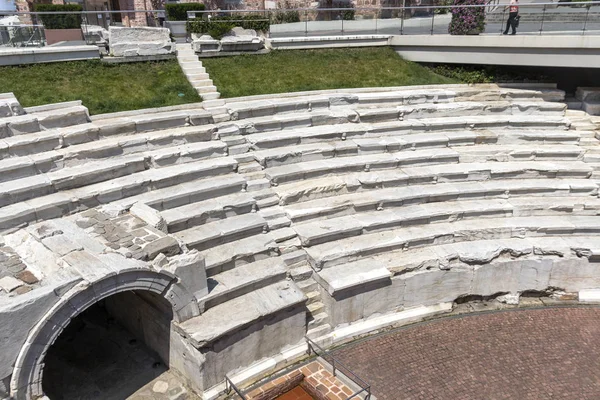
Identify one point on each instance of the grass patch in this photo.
(102, 87)
(300, 70)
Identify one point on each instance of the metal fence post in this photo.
(376, 17)
(402, 22)
(342, 23)
(305, 22)
(586, 19)
(502, 23)
(543, 16)
(432, 20)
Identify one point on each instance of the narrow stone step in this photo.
(228, 130)
(267, 201)
(246, 168)
(317, 320)
(308, 285)
(234, 140)
(221, 117)
(209, 96)
(190, 64)
(279, 223)
(319, 331)
(192, 69)
(206, 89)
(198, 83)
(213, 103)
(221, 110)
(197, 77)
(258, 184)
(272, 213)
(184, 58)
(313, 297)
(301, 272)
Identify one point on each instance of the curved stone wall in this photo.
(29, 367)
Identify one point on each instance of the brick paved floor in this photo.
(551, 353)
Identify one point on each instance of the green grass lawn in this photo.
(102, 87)
(298, 70)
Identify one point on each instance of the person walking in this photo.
(513, 16)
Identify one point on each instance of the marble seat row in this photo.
(375, 97)
(343, 130)
(569, 191)
(334, 228)
(445, 272)
(350, 182)
(35, 122)
(353, 248)
(295, 214)
(27, 200)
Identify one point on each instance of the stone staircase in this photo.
(353, 203)
(195, 72)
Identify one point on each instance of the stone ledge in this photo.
(48, 54)
(328, 42)
(129, 59)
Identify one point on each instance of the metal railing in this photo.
(336, 365)
(22, 36)
(230, 386)
(565, 18)
(575, 18)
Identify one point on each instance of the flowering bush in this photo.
(466, 20)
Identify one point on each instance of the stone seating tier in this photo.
(362, 199)
(350, 249)
(337, 205)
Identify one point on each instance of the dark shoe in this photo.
(505, 33)
(514, 33)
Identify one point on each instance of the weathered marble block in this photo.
(140, 41)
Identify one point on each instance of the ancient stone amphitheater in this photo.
(261, 220)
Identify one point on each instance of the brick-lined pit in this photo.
(549, 353)
(311, 381)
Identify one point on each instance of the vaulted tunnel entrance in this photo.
(110, 350)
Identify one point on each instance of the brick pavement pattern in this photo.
(551, 353)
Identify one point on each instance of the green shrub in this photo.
(178, 11)
(467, 20)
(60, 21)
(285, 17)
(281, 16)
(346, 15)
(217, 27)
(439, 3)
(487, 74)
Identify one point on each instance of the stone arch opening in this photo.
(110, 350)
(131, 292)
